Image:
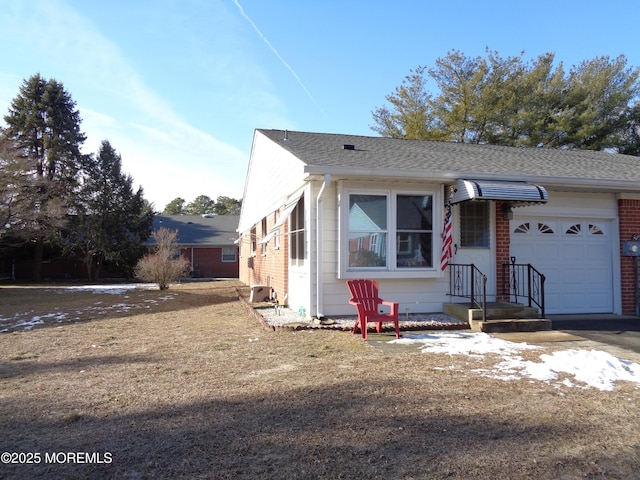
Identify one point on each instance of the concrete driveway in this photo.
(615, 330)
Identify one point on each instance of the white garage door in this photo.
(575, 255)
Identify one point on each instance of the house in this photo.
(319, 209)
(207, 241)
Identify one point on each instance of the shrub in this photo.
(163, 266)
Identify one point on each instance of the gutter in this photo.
(395, 174)
(319, 247)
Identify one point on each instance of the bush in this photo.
(163, 266)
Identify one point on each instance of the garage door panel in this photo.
(571, 275)
(576, 262)
(575, 253)
(548, 251)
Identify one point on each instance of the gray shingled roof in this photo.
(381, 156)
(202, 231)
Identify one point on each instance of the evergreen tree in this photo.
(227, 206)
(113, 221)
(44, 126)
(174, 207)
(199, 206)
(507, 101)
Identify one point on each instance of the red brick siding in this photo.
(503, 239)
(629, 225)
(269, 266)
(207, 261)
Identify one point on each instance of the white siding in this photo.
(415, 295)
(300, 282)
(273, 174)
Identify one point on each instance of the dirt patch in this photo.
(197, 387)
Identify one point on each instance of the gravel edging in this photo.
(285, 319)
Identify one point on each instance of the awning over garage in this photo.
(515, 192)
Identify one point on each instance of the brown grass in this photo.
(195, 387)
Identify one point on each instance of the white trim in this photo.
(389, 271)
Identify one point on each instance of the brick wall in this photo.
(503, 239)
(269, 265)
(207, 262)
(629, 222)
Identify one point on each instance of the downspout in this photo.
(319, 247)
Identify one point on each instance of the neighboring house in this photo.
(207, 241)
(319, 209)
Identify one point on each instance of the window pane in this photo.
(367, 249)
(414, 212)
(474, 224)
(367, 212)
(296, 234)
(228, 254)
(414, 249)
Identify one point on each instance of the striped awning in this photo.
(520, 193)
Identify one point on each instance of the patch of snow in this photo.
(589, 368)
(462, 343)
(27, 320)
(115, 289)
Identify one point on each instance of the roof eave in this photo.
(612, 185)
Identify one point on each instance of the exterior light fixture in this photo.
(507, 211)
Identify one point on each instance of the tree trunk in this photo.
(38, 255)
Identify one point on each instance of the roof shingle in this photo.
(322, 152)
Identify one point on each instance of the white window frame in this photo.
(229, 250)
(391, 270)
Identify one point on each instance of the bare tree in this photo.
(165, 265)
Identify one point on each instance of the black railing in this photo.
(466, 281)
(520, 281)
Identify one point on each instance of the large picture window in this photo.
(390, 231)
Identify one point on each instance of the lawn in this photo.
(188, 384)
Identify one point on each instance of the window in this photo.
(545, 229)
(389, 231)
(296, 234)
(229, 254)
(276, 238)
(474, 224)
(263, 245)
(367, 230)
(414, 231)
(574, 229)
(254, 240)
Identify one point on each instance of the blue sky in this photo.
(178, 86)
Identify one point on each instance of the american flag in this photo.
(446, 238)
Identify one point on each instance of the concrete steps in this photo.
(501, 317)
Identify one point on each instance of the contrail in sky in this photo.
(265, 40)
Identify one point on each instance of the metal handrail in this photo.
(467, 281)
(524, 280)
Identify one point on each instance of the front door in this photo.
(474, 242)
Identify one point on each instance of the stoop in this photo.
(501, 317)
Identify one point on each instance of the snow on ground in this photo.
(589, 368)
(27, 320)
(116, 289)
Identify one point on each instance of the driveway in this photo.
(615, 330)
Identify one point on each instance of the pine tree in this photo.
(113, 221)
(44, 126)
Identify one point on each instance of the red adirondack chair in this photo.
(364, 295)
